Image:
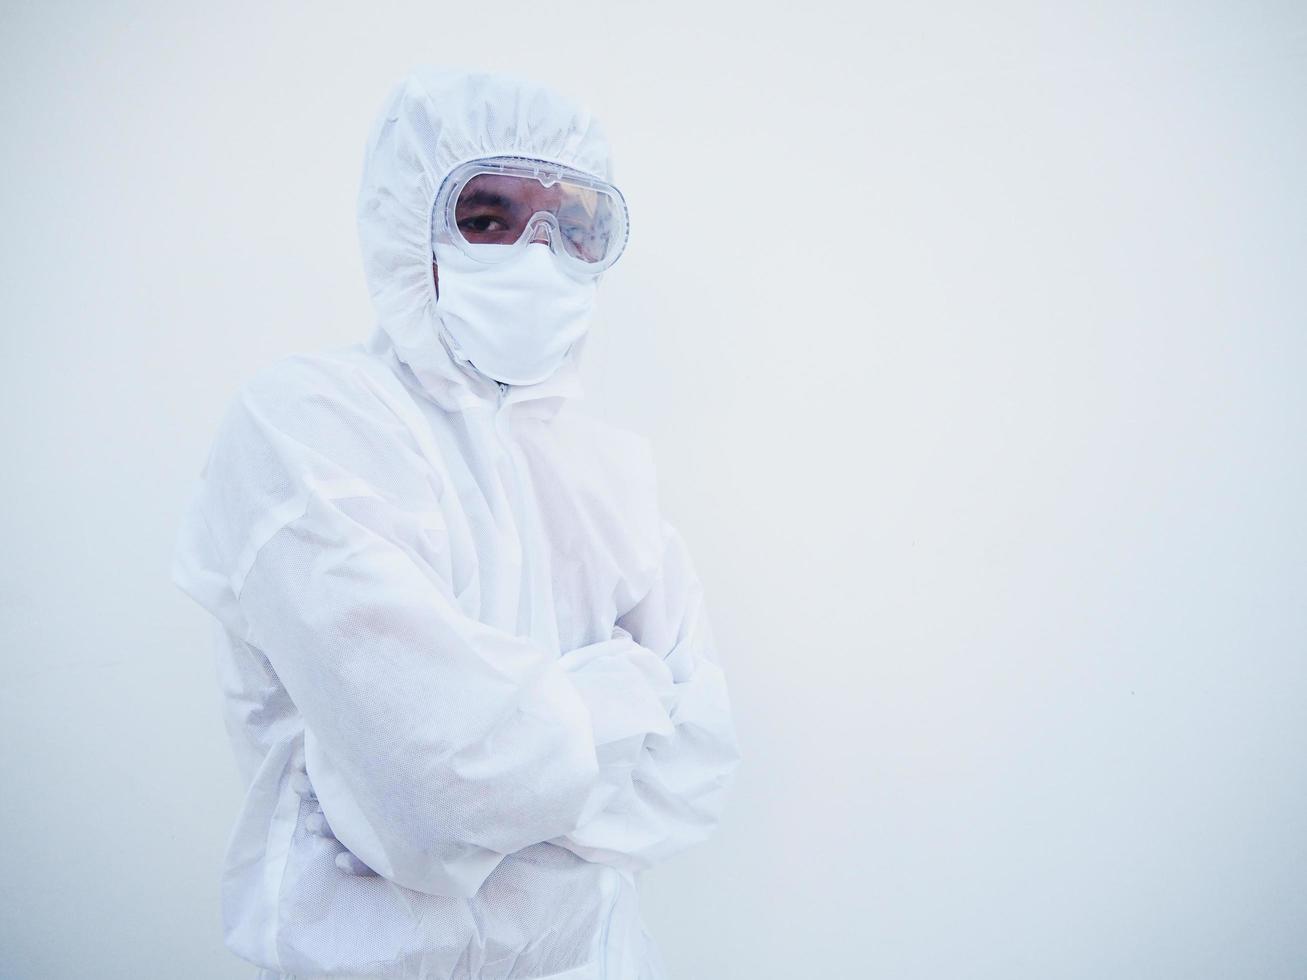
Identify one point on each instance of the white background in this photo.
(971, 340)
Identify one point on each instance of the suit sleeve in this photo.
(662, 720)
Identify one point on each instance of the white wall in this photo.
(972, 343)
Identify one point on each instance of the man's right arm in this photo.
(436, 744)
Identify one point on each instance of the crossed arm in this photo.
(661, 725)
(435, 744)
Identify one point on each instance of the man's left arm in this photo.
(662, 722)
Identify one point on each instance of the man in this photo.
(467, 668)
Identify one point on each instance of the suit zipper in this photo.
(516, 503)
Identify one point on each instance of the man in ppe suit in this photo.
(467, 668)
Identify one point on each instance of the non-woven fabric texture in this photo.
(457, 605)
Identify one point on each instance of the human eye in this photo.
(482, 223)
(576, 223)
(575, 230)
(587, 242)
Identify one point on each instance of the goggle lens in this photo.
(587, 222)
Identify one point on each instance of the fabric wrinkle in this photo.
(462, 603)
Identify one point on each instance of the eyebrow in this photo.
(487, 199)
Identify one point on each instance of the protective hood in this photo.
(432, 122)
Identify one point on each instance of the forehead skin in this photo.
(517, 192)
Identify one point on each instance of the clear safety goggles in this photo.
(493, 208)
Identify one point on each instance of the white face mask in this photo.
(514, 320)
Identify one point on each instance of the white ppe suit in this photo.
(457, 605)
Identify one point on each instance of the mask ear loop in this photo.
(436, 232)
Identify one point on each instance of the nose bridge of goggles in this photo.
(543, 227)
